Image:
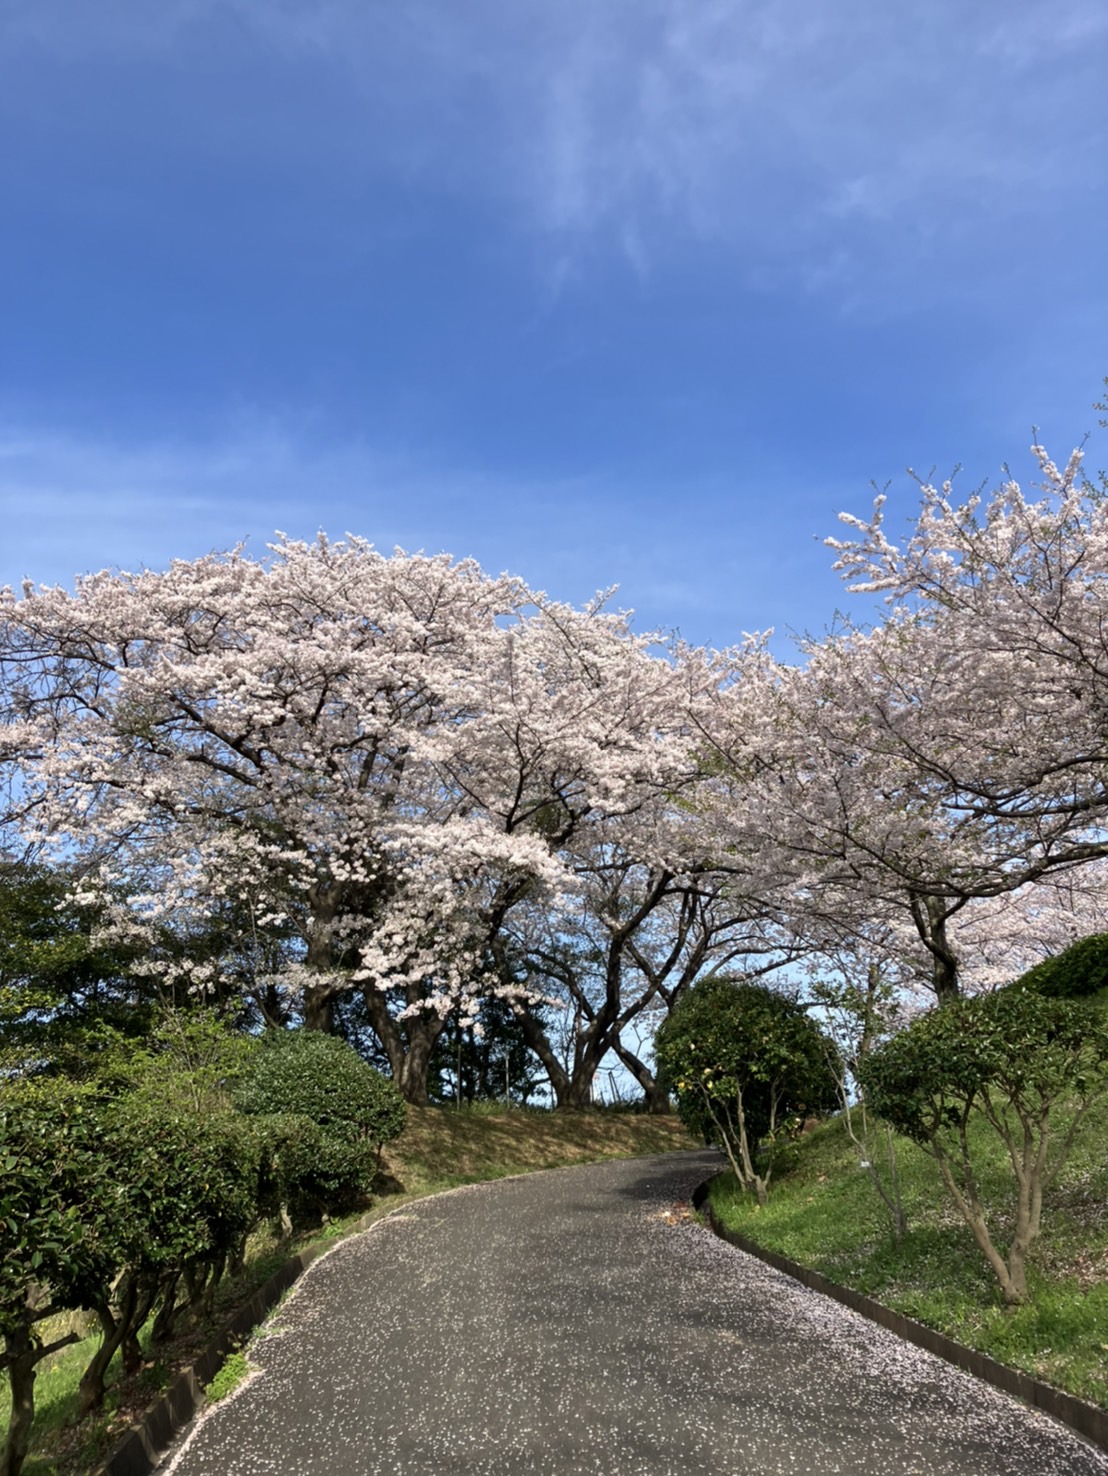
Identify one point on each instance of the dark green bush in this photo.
(309, 1074)
(1018, 1060)
(308, 1172)
(747, 1065)
(178, 1192)
(185, 1183)
(1078, 972)
(57, 1250)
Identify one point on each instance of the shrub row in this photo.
(132, 1194)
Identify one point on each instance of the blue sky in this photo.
(598, 291)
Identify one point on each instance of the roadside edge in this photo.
(1087, 1420)
(141, 1449)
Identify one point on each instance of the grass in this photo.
(441, 1148)
(825, 1213)
(234, 1369)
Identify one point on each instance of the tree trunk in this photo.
(319, 1009)
(166, 1319)
(417, 1060)
(657, 1101)
(90, 1391)
(409, 1044)
(577, 1094)
(21, 1357)
(536, 1039)
(931, 915)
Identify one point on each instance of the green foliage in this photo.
(183, 1185)
(52, 1178)
(493, 1060)
(1078, 972)
(308, 1171)
(725, 1037)
(747, 1065)
(234, 1369)
(1009, 1058)
(309, 1074)
(62, 991)
(1014, 1049)
(191, 1057)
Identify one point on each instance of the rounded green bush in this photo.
(308, 1074)
(1014, 1046)
(309, 1171)
(1076, 973)
(185, 1182)
(730, 1038)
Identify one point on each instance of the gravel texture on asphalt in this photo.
(569, 1322)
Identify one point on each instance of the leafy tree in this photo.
(63, 992)
(1016, 1060)
(118, 1188)
(747, 1065)
(488, 1060)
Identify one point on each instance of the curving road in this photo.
(562, 1323)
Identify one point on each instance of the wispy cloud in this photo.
(787, 129)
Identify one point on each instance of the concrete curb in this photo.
(146, 1442)
(1088, 1420)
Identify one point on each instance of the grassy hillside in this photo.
(826, 1214)
(439, 1149)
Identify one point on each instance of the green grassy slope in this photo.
(825, 1213)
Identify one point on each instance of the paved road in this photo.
(560, 1324)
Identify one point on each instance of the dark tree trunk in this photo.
(319, 1009)
(133, 1308)
(166, 1319)
(536, 1039)
(21, 1356)
(931, 915)
(409, 1044)
(422, 1036)
(577, 1095)
(657, 1100)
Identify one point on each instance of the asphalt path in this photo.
(570, 1322)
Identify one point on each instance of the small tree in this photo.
(53, 1253)
(747, 1064)
(1014, 1059)
(856, 1016)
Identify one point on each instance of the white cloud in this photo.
(787, 128)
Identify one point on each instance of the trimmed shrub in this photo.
(747, 1065)
(308, 1074)
(1014, 1058)
(1077, 973)
(308, 1172)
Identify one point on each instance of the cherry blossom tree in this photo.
(382, 755)
(862, 776)
(1015, 588)
(640, 936)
